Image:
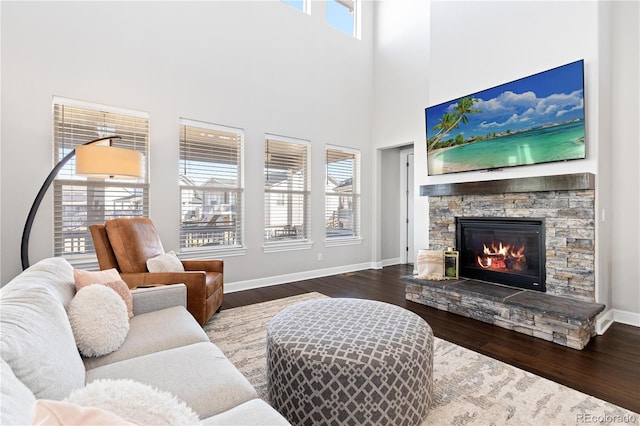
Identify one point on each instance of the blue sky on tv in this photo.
(551, 96)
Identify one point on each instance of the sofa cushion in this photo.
(37, 341)
(151, 299)
(136, 402)
(166, 262)
(16, 398)
(109, 278)
(251, 413)
(152, 332)
(55, 273)
(198, 374)
(99, 320)
(47, 412)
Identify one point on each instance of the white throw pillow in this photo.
(135, 402)
(167, 262)
(108, 277)
(430, 264)
(99, 320)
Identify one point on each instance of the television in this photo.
(532, 120)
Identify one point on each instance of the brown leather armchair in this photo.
(127, 243)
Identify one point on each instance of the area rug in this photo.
(469, 388)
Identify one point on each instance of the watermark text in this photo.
(606, 418)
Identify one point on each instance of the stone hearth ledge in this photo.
(565, 321)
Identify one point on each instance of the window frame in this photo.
(75, 123)
(286, 243)
(236, 228)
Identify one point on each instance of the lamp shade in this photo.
(101, 162)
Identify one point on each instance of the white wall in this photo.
(625, 158)
(448, 49)
(261, 66)
(401, 85)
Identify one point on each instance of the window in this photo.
(342, 14)
(79, 201)
(211, 185)
(301, 5)
(342, 211)
(286, 190)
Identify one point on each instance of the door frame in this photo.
(407, 249)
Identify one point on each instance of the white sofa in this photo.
(164, 348)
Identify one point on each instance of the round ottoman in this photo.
(349, 361)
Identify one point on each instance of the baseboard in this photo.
(607, 318)
(298, 276)
(626, 317)
(390, 262)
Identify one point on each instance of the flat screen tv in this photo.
(533, 120)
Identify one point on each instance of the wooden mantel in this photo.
(568, 182)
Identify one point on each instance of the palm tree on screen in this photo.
(450, 121)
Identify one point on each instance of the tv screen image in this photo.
(533, 120)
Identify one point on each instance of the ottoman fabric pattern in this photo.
(349, 362)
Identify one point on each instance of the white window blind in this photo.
(342, 198)
(80, 202)
(286, 189)
(211, 185)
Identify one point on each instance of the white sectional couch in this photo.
(164, 348)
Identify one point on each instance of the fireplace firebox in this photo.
(508, 251)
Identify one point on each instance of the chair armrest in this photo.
(156, 298)
(203, 265)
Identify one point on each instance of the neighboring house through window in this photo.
(79, 201)
(286, 190)
(211, 186)
(342, 200)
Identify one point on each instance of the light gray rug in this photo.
(470, 388)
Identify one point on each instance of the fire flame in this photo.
(502, 257)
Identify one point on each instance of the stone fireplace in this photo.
(555, 299)
(566, 203)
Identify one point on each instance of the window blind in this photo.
(79, 201)
(211, 185)
(342, 198)
(286, 190)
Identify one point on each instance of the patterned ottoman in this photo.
(349, 362)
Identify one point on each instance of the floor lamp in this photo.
(94, 161)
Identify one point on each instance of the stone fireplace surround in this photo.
(564, 314)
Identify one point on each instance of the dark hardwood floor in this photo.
(608, 368)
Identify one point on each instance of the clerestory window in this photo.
(301, 5)
(344, 15)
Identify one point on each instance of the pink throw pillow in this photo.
(50, 412)
(109, 278)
